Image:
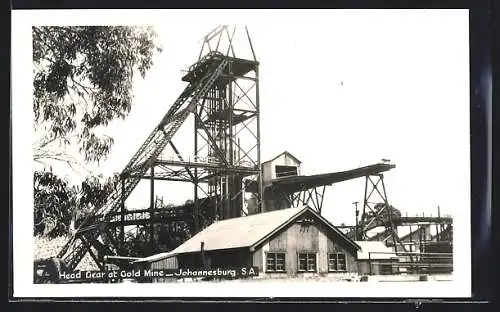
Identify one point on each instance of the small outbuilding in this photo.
(375, 258)
(284, 165)
(287, 242)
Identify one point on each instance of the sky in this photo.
(338, 90)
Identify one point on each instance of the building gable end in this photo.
(332, 231)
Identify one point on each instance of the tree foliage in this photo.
(385, 214)
(93, 193)
(59, 206)
(83, 79)
(53, 202)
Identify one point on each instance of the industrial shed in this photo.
(375, 258)
(284, 165)
(288, 242)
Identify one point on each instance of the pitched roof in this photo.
(378, 249)
(242, 232)
(284, 153)
(160, 256)
(238, 232)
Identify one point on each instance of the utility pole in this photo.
(357, 213)
(438, 224)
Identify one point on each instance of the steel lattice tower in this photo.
(222, 96)
(226, 133)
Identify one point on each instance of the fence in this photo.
(410, 263)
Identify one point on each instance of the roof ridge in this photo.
(260, 213)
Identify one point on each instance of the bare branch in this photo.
(62, 157)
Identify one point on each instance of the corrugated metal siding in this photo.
(278, 242)
(323, 243)
(258, 259)
(337, 245)
(351, 262)
(269, 168)
(297, 237)
(168, 263)
(267, 173)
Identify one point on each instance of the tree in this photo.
(92, 193)
(59, 206)
(53, 199)
(83, 79)
(386, 214)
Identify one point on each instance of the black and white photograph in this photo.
(241, 153)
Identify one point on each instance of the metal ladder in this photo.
(142, 160)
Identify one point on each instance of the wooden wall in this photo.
(295, 238)
(230, 258)
(219, 258)
(167, 263)
(376, 267)
(267, 173)
(298, 238)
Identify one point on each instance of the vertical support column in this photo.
(232, 207)
(257, 104)
(151, 208)
(438, 226)
(230, 119)
(411, 235)
(356, 229)
(196, 207)
(363, 214)
(205, 106)
(202, 254)
(420, 238)
(122, 217)
(370, 262)
(386, 203)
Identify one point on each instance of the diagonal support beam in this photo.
(211, 139)
(91, 253)
(250, 42)
(181, 159)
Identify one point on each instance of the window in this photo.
(285, 171)
(336, 262)
(307, 262)
(275, 262)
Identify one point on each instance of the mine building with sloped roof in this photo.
(281, 243)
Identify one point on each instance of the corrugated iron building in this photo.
(288, 242)
(376, 258)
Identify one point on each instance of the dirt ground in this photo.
(351, 279)
(46, 248)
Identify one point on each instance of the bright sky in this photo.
(339, 90)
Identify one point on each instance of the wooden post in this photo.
(438, 226)
(202, 253)
(429, 264)
(370, 262)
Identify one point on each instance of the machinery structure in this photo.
(221, 100)
(222, 96)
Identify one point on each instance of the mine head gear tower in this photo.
(223, 97)
(227, 127)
